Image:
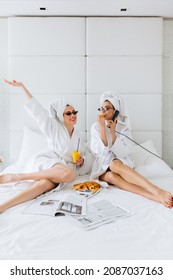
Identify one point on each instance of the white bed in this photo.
(147, 234)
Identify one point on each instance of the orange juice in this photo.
(75, 156)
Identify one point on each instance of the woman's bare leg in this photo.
(117, 180)
(131, 176)
(57, 174)
(38, 188)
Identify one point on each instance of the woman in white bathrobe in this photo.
(113, 163)
(55, 166)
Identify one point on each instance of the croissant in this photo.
(102, 116)
(88, 185)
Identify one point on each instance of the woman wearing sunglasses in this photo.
(113, 163)
(55, 166)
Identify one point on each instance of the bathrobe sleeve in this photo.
(96, 145)
(88, 159)
(41, 115)
(122, 146)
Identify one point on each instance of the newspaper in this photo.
(69, 204)
(76, 206)
(100, 213)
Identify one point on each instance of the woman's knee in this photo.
(116, 166)
(68, 175)
(45, 185)
(110, 177)
(62, 174)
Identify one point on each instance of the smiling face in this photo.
(70, 116)
(108, 110)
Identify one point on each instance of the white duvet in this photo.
(147, 234)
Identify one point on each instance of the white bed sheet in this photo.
(147, 234)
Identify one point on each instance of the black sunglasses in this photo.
(71, 113)
(104, 109)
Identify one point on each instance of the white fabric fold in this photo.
(57, 108)
(113, 99)
(118, 102)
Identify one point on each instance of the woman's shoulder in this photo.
(94, 126)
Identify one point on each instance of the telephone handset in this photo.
(115, 115)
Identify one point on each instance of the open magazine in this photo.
(101, 212)
(69, 204)
(78, 209)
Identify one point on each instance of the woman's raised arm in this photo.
(21, 85)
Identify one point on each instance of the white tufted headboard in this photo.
(82, 57)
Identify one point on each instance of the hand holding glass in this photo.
(76, 156)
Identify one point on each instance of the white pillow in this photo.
(140, 155)
(149, 165)
(33, 142)
(155, 170)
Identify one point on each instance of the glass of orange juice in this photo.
(75, 156)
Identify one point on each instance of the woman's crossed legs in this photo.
(46, 180)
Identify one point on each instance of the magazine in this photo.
(74, 205)
(101, 212)
(69, 204)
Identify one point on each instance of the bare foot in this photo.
(6, 178)
(165, 198)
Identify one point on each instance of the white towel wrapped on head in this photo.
(113, 99)
(57, 108)
(118, 103)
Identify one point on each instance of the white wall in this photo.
(145, 87)
(4, 128)
(48, 55)
(125, 55)
(168, 92)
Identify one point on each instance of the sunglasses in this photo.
(68, 113)
(104, 109)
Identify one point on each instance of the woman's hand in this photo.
(111, 125)
(21, 85)
(14, 83)
(101, 121)
(80, 161)
(102, 127)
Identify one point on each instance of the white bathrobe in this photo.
(121, 149)
(60, 145)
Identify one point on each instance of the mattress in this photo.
(146, 234)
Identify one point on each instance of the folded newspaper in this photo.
(101, 212)
(69, 204)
